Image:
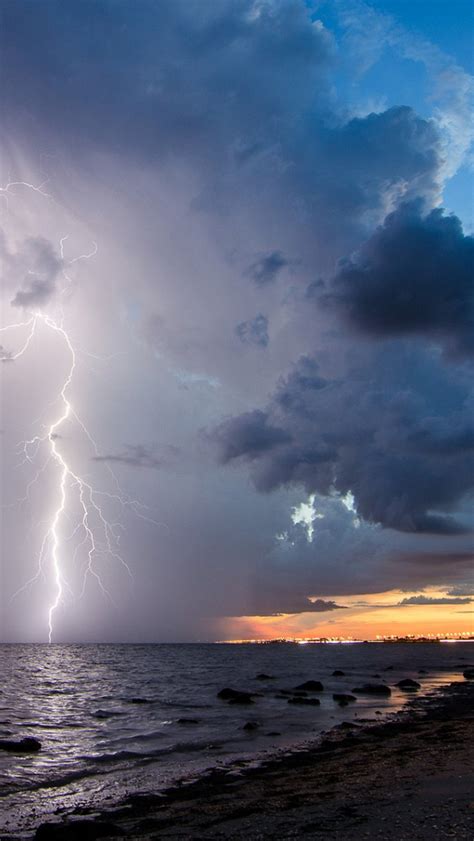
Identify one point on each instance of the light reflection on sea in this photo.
(108, 716)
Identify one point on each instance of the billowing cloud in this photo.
(414, 276)
(218, 156)
(372, 433)
(254, 332)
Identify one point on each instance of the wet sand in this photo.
(409, 778)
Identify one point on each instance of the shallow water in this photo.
(99, 744)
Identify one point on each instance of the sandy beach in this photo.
(412, 777)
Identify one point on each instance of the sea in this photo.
(116, 720)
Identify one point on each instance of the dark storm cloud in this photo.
(288, 604)
(427, 600)
(248, 436)
(140, 455)
(254, 332)
(362, 433)
(266, 268)
(415, 275)
(177, 77)
(34, 267)
(239, 91)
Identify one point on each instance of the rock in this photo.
(376, 676)
(372, 689)
(243, 699)
(80, 830)
(251, 725)
(273, 733)
(235, 696)
(313, 702)
(139, 701)
(388, 668)
(338, 673)
(468, 674)
(310, 686)
(341, 696)
(28, 745)
(408, 685)
(187, 721)
(263, 676)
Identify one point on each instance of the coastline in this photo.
(411, 776)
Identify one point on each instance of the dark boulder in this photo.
(139, 701)
(310, 686)
(408, 685)
(310, 702)
(468, 674)
(341, 696)
(372, 689)
(243, 698)
(80, 830)
(338, 673)
(251, 725)
(235, 696)
(28, 745)
(187, 721)
(263, 676)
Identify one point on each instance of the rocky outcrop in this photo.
(235, 696)
(343, 697)
(309, 702)
(373, 689)
(338, 673)
(409, 685)
(78, 830)
(27, 745)
(310, 686)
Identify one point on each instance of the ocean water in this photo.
(121, 719)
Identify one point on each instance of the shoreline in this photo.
(409, 776)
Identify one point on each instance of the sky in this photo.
(237, 319)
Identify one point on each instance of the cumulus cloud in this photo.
(254, 332)
(371, 433)
(413, 276)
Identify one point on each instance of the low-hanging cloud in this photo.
(432, 600)
(371, 433)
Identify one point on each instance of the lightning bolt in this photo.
(99, 536)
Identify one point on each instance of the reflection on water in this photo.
(114, 719)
